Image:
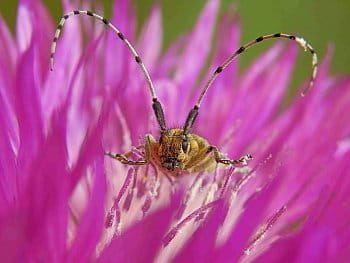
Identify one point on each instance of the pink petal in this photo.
(8, 52)
(266, 96)
(38, 221)
(116, 53)
(24, 27)
(197, 48)
(8, 169)
(92, 141)
(254, 210)
(202, 243)
(227, 44)
(139, 236)
(28, 109)
(169, 60)
(150, 42)
(91, 225)
(68, 50)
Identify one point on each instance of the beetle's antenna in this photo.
(190, 119)
(306, 46)
(157, 107)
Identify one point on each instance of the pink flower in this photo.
(62, 200)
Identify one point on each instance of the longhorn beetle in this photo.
(178, 149)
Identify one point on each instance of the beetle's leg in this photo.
(200, 161)
(218, 158)
(129, 153)
(123, 158)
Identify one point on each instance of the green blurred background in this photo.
(321, 22)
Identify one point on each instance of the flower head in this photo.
(62, 199)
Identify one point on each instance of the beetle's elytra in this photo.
(179, 150)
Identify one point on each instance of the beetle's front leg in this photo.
(241, 161)
(123, 158)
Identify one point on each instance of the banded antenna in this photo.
(301, 42)
(157, 107)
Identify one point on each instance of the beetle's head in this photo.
(174, 147)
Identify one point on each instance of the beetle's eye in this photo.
(185, 145)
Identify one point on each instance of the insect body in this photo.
(179, 150)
